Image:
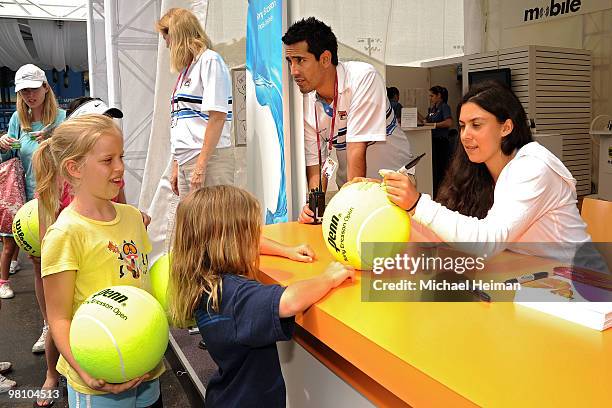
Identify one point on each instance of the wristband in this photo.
(415, 203)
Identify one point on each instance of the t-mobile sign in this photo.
(521, 12)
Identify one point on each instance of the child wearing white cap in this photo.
(37, 110)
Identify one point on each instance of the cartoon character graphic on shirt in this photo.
(129, 255)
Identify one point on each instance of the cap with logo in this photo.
(96, 106)
(29, 76)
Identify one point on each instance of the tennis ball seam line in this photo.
(365, 223)
(113, 340)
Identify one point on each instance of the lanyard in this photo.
(333, 121)
(181, 79)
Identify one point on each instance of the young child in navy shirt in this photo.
(215, 259)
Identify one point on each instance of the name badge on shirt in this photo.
(329, 168)
(173, 121)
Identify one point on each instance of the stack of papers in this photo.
(569, 299)
(409, 117)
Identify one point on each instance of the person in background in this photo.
(393, 94)
(37, 112)
(201, 106)
(439, 114)
(240, 319)
(346, 109)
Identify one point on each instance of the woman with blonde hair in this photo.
(77, 250)
(215, 261)
(37, 110)
(201, 106)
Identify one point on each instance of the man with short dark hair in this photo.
(393, 94)
(345, 108)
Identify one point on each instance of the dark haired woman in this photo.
(501, 186)
(439, 114)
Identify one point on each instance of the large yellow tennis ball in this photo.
(119, 333)
(361, 213)
(159, 274)
(25, 228)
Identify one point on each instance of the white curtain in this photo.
(48, 39)
(13, 51)
(75, 45)
(60, 45)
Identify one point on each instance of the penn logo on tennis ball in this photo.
(335, 235)
(21, 236)
(111, 294)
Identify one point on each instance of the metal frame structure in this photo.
(122, 35)
(49, 10)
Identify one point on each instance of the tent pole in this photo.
(90, 47)
(112, 53)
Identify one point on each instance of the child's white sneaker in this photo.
(6, 384)
(14, 267)
(5, 291)
(39, 346)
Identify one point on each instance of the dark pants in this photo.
(441, 150)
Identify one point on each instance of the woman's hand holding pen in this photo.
(400, 190)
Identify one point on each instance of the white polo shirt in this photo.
(206, 87)
(364, 115)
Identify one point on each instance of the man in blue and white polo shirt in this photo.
(365, 132)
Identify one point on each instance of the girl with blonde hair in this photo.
(37, 110)
(201, 106)
(215, 261)
(81, 248)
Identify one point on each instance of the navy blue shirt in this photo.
(397, 109)
(436, 114)
(241, 339)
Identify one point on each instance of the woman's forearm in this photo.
(212, 134)
(445, 124)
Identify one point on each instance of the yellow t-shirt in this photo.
(102, 254)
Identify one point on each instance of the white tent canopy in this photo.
(46, 43)
(49, 33)
(46, 9)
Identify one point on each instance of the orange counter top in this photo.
(450, 354)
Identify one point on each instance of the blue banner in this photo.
(264, 63)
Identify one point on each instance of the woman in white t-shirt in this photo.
(201, 106)
(502, 188)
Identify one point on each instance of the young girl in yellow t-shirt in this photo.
(83, 249)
